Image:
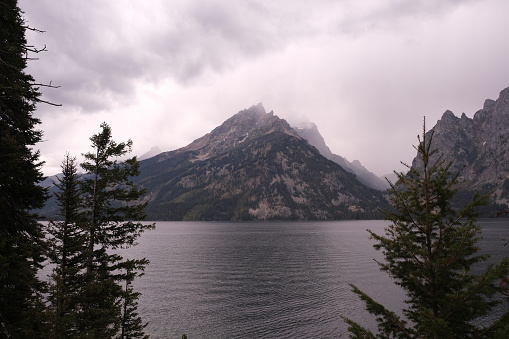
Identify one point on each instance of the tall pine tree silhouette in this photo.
(21, 238)
(112, 217)
(66, 250)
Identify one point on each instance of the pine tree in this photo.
(430, 249)
(21, 238)
(66, 247)
(112, 214)
(132, 325)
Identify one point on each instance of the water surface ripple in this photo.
(263, 280)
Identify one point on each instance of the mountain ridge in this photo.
(309, 131)
(254, 166)
(257, 116)
(477, 148)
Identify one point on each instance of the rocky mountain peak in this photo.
(477, 147)
(504, 95)
(155, 150)
(449, 122)
(253, 166)
(448, 115)
(247, 124)
(501, 106)
(488, 104)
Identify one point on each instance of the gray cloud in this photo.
(365, 72)
(97, 53)
(101, 50)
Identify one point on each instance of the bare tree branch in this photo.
(46, 85)
(47, 102)
(33, 49)
(33, 29)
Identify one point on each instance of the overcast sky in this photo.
(167, 72)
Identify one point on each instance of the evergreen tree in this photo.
(112, 215)
(20, 234)
(66, 251)
(430, 249)
(132, 325)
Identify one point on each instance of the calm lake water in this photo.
(267, 280)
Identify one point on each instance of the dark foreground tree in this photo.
(132, 325)
(20, 233)
(430, 250)
(66, 246)
(112, 213)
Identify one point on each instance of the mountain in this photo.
(50, 209)
(479, 146)
(309, 131)
(155, 150)
(254, 166)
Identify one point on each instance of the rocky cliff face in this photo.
(479, 145)
(253, 166)
(310, 132)
(240, 128)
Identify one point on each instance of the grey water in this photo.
(268, 279)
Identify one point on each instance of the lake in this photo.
(267, 279)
